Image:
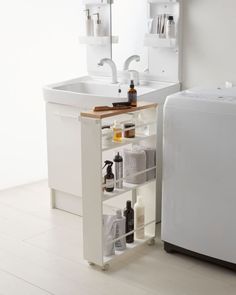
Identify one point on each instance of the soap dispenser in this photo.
(88, 23)
(98, 30)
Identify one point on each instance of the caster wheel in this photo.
(151, 242)
(91, 263)
(105, 267)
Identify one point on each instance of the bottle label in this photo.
(133, 98)
(140, 223)
(119, 174)
(110, 183)
(131, 224)
(140, 220)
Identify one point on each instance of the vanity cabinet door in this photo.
(64, 148)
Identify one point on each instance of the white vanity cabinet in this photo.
(64, 157)
(159, 74)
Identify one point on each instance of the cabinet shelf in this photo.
(129, 247)
(127, 187)
(98, 40)
(127, 141)
(153, 40)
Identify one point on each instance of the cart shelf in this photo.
(93, 196)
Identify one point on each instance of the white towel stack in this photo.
(150, 162)
(134, 162)
(139, 159)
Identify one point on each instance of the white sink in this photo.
(87, 92)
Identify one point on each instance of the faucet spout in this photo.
(111, 63)
(129, 60)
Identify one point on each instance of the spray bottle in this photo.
(109, 177)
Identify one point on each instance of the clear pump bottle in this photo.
(89, 23)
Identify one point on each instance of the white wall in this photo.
(209, 42)
(38, 45)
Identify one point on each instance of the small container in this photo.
(117, 132)
(88, 23)
(106, 135)
(132, 95)
(144, 128)
(120, 222)
(129, 227)
(118, 160)
(131, 132)
(98, 29)
(170, 28)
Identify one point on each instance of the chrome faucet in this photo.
(129, 60)
(111, 63)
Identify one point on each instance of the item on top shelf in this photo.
(150, 162)
(118, 160)
(132, 95)
(118, 104)
(107, 108)
(163, 26)
(98, 29)
(131, 132)
(170, 27)
(88, 23)
(139, 218)
(109, 233)
(106, 135)
(129, 225)
(109, 177)
(117, 132)
(150, 25)
(120, 221)
(159, 25)
(134, 162)
(144, 129)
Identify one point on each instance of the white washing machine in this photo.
(199, 177)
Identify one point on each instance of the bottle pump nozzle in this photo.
(88, 13)
(98, 21)
(108, 163)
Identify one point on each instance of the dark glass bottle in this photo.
(109, 177)
(129, 226)
(132, 95)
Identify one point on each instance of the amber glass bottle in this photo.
(132, 95)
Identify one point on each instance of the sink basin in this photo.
(87, 92)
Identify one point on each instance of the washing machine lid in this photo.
(212, 100)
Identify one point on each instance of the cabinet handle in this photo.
(77, 117)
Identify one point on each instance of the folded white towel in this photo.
(150, 162)
(134, 162)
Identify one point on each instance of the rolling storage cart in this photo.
(96, 201)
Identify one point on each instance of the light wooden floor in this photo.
(41, 253)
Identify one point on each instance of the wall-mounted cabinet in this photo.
(98, 41)
(161, 32)
(148, 34)
(98, 38)
(164, 40)
(153, 40)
